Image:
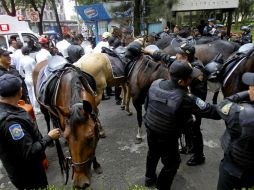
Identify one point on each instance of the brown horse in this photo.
(139, 81)
(74, 115)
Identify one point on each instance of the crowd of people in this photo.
(171, 105)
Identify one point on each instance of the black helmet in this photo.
(133, 49)
(245, 28)
(212, 70)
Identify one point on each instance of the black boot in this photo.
(196, 160)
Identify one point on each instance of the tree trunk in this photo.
(39, 24)
(57, 17)
(136, 18)
(13, 9)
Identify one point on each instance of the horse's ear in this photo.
(64, 110)
(87, 106)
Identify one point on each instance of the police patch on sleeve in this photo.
(226, 108)
(201, 104)
(16, 132)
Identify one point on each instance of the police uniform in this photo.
(236, 168)
(246, 38)
(14, 72)
(168, 106)
(21, 144)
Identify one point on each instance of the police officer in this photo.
(210, 29)
(6, 67)
(236, 168)
(246, 35)
(168, 106)
(22, 145)
(75, 51)
(198, 87)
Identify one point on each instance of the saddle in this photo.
(178, 41)
(232, 64)
(50, 81)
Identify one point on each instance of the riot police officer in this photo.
(236, 168)
(246, 35)
(210, 29)
(22, 145)
(168, 105)
(198, 86)
(6, 67)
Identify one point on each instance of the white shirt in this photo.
(27, 65)
(11, 49)
(16, 57)
(62, 47)
(98, 47)
(42, 55)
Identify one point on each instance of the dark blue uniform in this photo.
(168, 107)
(236, 169)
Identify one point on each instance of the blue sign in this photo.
(94, 12)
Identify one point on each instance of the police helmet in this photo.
(245, 28)
(212, 70)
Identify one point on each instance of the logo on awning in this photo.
(91, 12)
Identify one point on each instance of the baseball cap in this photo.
(183, 69)
(4, 52)
(248, 78)
(9, 85)
(186, 48)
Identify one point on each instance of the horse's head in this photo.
(80, 128)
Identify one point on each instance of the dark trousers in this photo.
(197, 137)
(166, 148)
(118, 93)
(229, 182)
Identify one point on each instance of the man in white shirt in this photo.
(12, 45)
(43, 54)
(63, 45)
(103, 43)
(16, 56)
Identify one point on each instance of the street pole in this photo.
(76, 4)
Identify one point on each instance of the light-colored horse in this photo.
(98, 65)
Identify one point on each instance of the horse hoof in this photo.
(138, 140)
(122, 107)
(102, 135)
(98, 169)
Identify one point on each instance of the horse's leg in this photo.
(101, 130)
(215, 97)
(96, 166)
(126, 99)
(138, 108)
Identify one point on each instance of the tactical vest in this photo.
(162, 107)
(242, 149)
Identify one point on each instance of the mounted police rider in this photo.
(168, 106)
(246, 35)
(236, 168)
(210, 29)
(22, 145)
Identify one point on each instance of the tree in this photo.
(12, 10)
(57, 17)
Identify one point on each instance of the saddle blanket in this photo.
(117, 66)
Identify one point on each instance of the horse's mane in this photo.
(78, 115)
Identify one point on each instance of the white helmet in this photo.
(106, 35)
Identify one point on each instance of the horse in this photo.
(230, 73)
(206, 48)
(73, 112)
(144, 72)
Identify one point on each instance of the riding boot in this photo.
(109, 91)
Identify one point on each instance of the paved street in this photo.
(123, 161)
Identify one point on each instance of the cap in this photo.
(211, 20)
(248, 79)
(186, 48)
(43, 40)
(9, 85)
(106, 35)
(183, 69)
(5, 52)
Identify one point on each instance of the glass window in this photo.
(28, 37)
(3, 43)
